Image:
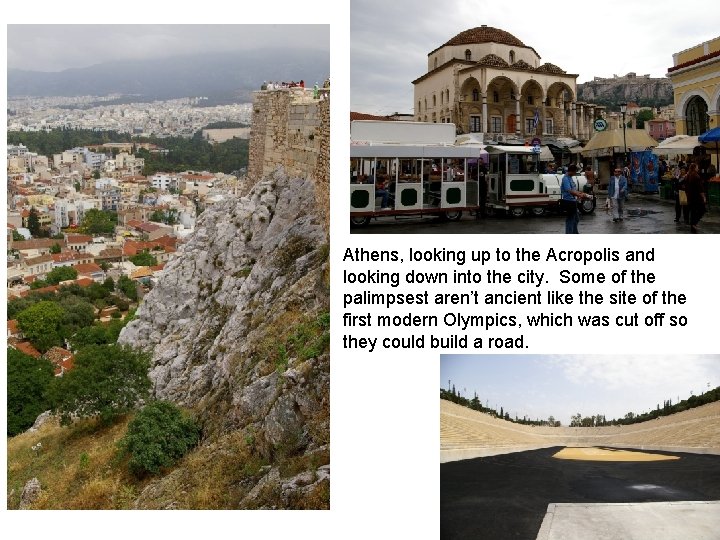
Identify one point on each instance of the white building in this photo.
(162, 181)
(486, 80)
(71, 211)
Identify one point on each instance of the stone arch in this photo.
(468, 87)
(682, 106)
(505, 107)
(715, 102)
(696, 115)
(533, 98)
(557, 97)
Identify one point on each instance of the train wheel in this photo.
(453, 215)
(537, 210)
(517, 211)
(359, 221)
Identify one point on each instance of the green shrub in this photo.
(157, 437)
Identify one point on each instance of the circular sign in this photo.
(536, 149)
(600, 124)
(536, 141)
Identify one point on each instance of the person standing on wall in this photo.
(617, 193)
(569, 197)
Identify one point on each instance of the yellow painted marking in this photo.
(609, 454)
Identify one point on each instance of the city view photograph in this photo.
(168, 266)
(479, 122)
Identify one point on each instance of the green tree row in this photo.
(107, 381)
(47, 143)
(183, 154)
(50, 319)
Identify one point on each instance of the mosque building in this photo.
(485, 80)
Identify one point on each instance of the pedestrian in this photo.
(569, 197)
(617, 193)
(316, 91)
(680, 194)
(695, 196)
(590, 177)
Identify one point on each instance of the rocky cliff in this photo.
(644, 90)
(238, 327)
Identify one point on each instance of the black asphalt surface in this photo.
(644, 214)
(506, 497)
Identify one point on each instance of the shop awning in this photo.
(679, 144)
(635, 140)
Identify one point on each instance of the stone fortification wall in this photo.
(292, 130)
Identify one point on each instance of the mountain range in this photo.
(218, 76)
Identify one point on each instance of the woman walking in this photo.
(695, 196)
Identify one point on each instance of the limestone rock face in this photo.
(248, 262)
(255, 268)
(30, 493)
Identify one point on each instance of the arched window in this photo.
(512, 57)
(447, 96)
(468, 55)
(419, 106)
(435, 63)
(696, 118)
(434, 100)
(496, 97)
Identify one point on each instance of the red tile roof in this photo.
(27, 348)
(87, 268)
(49, 288)
(363, 116)
(13, 327)
(79, 239)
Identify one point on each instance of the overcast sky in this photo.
(539, 385)
(59, 47)
(390, 41)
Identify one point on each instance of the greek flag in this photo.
(537, 117)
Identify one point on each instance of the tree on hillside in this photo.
(143, 259)
(128, 287)
(159, 435)
(99, 221)
(27, 381)
(106, 381)
(34, 223)
(61, 273)
(642, 117)
(55, 248)
(17, 237)
(41, 323)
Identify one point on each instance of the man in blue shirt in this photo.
(569, 196)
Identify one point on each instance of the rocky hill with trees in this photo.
(643, 90)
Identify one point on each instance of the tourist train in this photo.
(421, 169)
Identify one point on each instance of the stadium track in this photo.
(506, 496)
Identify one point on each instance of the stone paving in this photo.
(644, 214)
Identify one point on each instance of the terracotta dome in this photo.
(492, 60)
(485, 34)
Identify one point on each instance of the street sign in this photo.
(535, 141)
(536, 149)
(600, 124)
